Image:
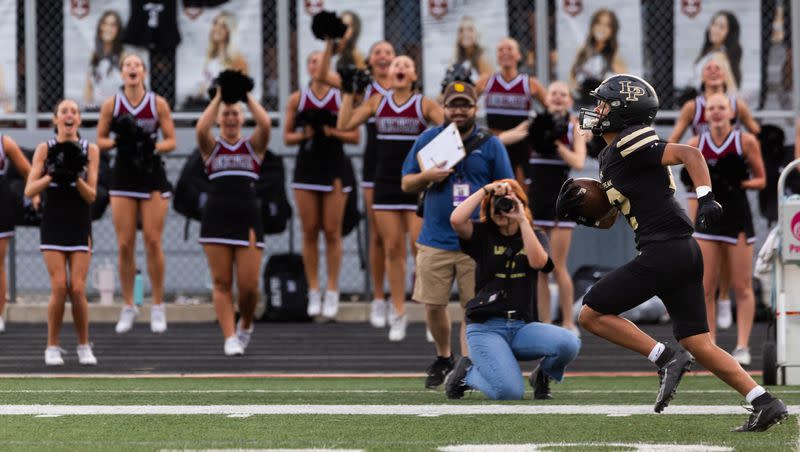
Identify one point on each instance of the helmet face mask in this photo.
(623, 100)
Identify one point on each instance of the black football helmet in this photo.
(631, 101)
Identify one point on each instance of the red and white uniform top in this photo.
(711, 152)
(331, 101)
(400, 122)
(236, 159)
(146, 113)
(503, 99)
(3, 158)
(699, 121)
(374, 89)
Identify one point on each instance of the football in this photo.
(595, 206)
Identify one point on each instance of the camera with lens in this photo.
(503, 204)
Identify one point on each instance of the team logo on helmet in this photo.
(633, 92)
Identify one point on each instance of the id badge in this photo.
(460, 193)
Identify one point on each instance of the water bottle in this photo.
(138, 288)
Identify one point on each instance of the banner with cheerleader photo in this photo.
(729, 27)
(612, 26)
(93, 49)
(215, 39)
(8, 57)
(462, 32)
(367, 15)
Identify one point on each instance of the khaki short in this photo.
(436, 271)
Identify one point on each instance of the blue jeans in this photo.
(497, 344)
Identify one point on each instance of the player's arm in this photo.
(350, 118)
(104, 140)
(751, 149)
(691, 158)
(168, 142)
(746, 117)
(682, 123)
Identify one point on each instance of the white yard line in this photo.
(403, 410)
(340, 391)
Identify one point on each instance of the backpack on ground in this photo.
(286, 289)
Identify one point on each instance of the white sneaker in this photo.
(233, 347)
(2, 325)
(377, 313)
(52, 356)
(314, 303)
(244, 334)
(397, 327)
(330, 307)
(85, 355)
(158, 318)
(126, 318)
(724, 314)
(742, 355)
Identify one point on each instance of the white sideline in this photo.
(403, 410)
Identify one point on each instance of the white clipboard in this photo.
(445, 147)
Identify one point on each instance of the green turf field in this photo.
(373, 414)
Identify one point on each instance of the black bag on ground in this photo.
(286, 289)
(192, 187)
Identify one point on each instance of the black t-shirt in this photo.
(153, 24)
(487, 247)
(641, 187)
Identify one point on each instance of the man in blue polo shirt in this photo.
(439, 257)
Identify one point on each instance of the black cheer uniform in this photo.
(233, 208)
(507, 105)
(6, 196)
(398, 127)
(669, 264)
(66, 217)
(736, 214)
(370, 163)
(127, 180)
(548, 173)
(321, 160)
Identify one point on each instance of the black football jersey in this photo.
(641, 187)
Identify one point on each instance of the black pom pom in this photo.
(326, 25)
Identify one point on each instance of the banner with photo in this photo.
(459, 31)
(92, 50)
(367, 15)
(730, 27)
(582, 28)
(215, 39)
(8, 57)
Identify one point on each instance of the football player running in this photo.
(634, 171)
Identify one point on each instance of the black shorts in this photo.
(227, 220)
(317, 169)
(7, 206)
(671, 270)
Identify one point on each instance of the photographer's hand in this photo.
(497, 188)
(518, 213)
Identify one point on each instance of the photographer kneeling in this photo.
(501, 319)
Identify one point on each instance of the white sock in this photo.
(728, 302)
(655, 353)
(754, 394)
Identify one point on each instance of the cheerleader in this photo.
(401, 115)
(323, 176)
(66, 229)
(379, 59)
(716, 78)
(730, 152)
(231, 230)
(139, 186)
(9, 154)
(548, 171)
(509, 97)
